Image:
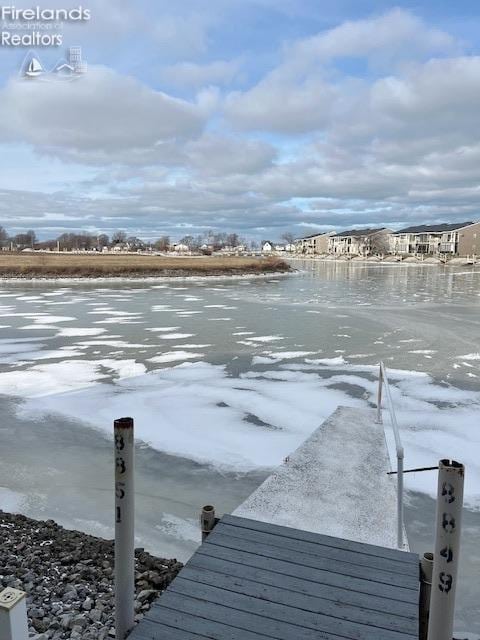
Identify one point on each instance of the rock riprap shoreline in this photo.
(68, 577)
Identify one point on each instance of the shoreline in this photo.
(140, 278)
(428, 262)
(68, 578)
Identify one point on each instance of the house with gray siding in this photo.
(315, 244)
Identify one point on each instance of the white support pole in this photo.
(379, 396)
(447, 547)
(13, 615)
(124, 527)
(400, 499)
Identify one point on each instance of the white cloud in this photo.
(440, 96)
(303, 93)
(277, 103)
(102, 113)
(397, 33)
(221, 155)
(191, 74)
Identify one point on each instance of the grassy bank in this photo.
(44, 265)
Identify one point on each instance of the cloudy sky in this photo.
(254, 116)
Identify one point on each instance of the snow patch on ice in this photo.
(179, 528)
(175, 356)
(80, 331)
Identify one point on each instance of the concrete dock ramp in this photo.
(335, 483)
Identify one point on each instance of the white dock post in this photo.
(124, 527)
(447, 548)
(13, 615)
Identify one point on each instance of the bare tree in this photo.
(188, 240)
(119, 237)
(233, 240)
(162, 244)
(379, 244)
(3, 237)
(288, 237)
(103, 240)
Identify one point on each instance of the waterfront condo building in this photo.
(315, 244)
(457, 239)
(360, 242)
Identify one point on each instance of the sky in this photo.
(258, 117)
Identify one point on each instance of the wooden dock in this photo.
(253, 580)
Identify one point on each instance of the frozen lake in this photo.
(224, 378)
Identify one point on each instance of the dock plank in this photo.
(152, 629)
(310, 573)
(283, 596)
(299, 585)
(362, 548)
(271, 611)
(316, 549)
(318, 562)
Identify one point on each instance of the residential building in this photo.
(267, 246)
(469, 240)
(457, 239)
(360, 242)
(178, 247)
(315, 244)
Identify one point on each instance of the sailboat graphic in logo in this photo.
(32, 67)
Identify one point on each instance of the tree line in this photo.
(209, 241)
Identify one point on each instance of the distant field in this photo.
(27, 265)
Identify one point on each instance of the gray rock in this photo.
(95, 615)
(66, 621)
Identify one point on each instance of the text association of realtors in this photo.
(36, 23)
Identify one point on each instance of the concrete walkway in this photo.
(335, 483)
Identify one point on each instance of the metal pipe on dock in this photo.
(426, 571)
(207, 520)
(447, 547)
(124, 527)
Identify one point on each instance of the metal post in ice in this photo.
(13, 615)
(400, 498)
(447, 547)
(124, 527)
(379, 396)
(207, 520)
